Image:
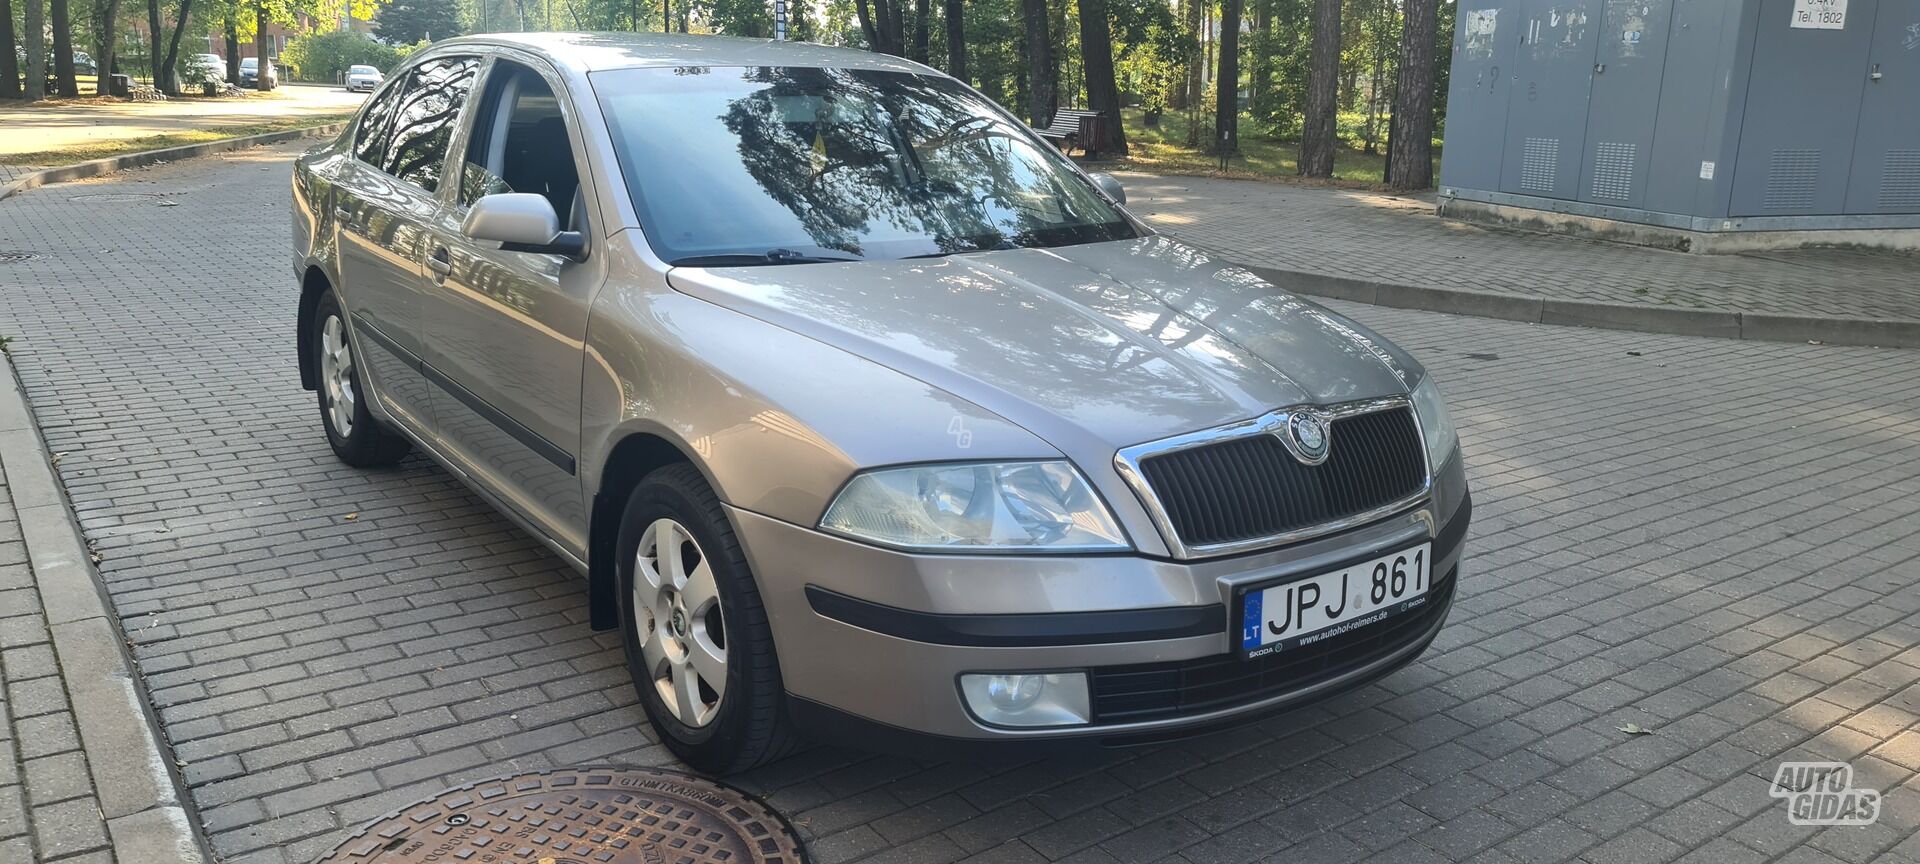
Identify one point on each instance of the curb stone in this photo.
(124, 161)
(148, 816)
(1678, 320)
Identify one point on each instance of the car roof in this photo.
(596, 52)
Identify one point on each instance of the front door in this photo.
(507, 329)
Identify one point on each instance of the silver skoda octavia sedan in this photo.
(867, 416)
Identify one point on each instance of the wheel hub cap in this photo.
(336, 375)
(681, 628)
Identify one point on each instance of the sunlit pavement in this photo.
(42, 127)
(1397, 240)
(1714, 541)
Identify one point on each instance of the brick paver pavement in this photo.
(1398, 240)
(10, 173)
(49, 809)
(1716, 540)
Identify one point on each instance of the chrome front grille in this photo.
(1241, 488)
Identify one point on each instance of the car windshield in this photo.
(250, 63)
(362, 70)
(774, 165)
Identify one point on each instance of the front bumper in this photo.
(872, 641)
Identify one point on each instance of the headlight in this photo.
(958, 507)
(1434, 422)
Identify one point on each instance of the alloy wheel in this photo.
(682, 633)
(336, 374)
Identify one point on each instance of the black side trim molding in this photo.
(527, 437)
(366, 328)
(1021, 629)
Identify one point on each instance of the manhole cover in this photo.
(10, 256)
(580, 816)
(111, 197)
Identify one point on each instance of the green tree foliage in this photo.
(410, 21)
(323, 56)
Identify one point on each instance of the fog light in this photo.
(1028, 699)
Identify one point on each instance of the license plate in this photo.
(1324, 605)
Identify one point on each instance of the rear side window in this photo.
(376, 128)
(423, 119)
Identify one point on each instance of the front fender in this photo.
(777, 421)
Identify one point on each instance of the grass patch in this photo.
(1164, 150)
(103, 149)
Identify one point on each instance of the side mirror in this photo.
(1109, 185)
(522, 222)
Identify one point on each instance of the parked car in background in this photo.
(867, 414)
(363, 78)
(83, 65)
(204, 73)
(250, 73)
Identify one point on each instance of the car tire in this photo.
(747, 724)
(355, 435)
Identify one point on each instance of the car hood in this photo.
(1100, 345)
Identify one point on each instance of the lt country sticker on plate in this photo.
(1325, 605)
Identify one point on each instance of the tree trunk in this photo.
(35, 43)
(1410, 143)
(882, 26)
(1260, 95)
(107, 43)
(956, 40)
(153, 41)
(172, 85)
(260, 80)
(921, 9)
(9, 62)
(233, 51)
(1043, 71)
(1226, 111)
(1096, 61)
(65, 81)
(1317, 136)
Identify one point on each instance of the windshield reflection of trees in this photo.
(911, 153)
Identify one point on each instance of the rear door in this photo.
(380, 242)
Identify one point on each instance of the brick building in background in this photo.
(278, 35)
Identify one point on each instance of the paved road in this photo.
(39, 128)
(1397, 240)
(1718, 541)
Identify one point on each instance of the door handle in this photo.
(440, 263)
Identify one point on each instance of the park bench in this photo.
(1073, 128)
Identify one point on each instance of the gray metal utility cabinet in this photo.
(1711, 125)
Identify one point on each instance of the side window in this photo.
(376, 127)
(520, 144)
(424, 119)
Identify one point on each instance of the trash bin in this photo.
(1090, 128)
(120, 85)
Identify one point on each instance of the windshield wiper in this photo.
(1000, 244)
(771, 256)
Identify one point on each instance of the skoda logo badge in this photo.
(1309, 434)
